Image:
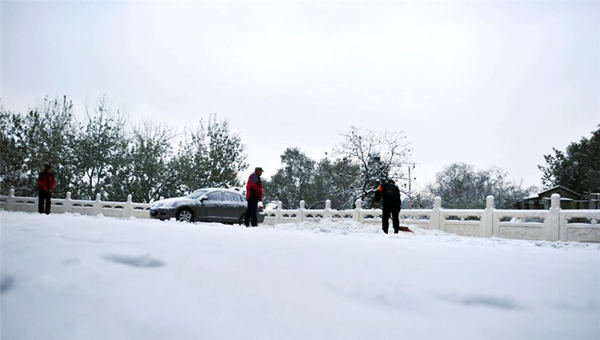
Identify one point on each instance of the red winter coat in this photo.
(254, 187)
(46, 181)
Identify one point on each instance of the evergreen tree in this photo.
(101, 151)
(100, 155)
(301, 178)
(145, 174)
(338, 181)
(292, 182)
(577, 169)
(13, 146)
(45, 135)
(212, 156)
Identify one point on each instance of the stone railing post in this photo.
(552, 221)
(36, 202)
(435, 222)
(487, 219)
(10, 200)
(327, 209)
(357, 215)
(562, 227)
(278, 212)
(97, 206)
(129, 206)
(68, 205)
(300, 214)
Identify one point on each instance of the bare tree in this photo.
(380, 156)
(462, 187)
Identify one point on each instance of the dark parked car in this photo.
(205, 205)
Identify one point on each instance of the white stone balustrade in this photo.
(83, 207)
(555, 224)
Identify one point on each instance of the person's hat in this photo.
(258, 168)
(392, 181)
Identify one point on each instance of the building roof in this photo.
(557, 188)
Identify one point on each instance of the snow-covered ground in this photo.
(80, 277)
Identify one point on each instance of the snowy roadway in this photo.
(79, 277)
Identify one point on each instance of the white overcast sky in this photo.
(486, 83)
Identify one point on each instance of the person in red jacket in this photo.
(45, 185)
(254, 194)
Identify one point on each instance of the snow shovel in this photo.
(405, 229)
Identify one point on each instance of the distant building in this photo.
(569, 199)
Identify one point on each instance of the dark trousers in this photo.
(251, 213)
(385, 218)
(44, 202)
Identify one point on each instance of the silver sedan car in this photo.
(204, 205)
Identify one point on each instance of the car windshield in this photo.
(196, 194)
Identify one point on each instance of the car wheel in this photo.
(185, 215)
(241, 220)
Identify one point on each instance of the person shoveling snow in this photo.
(390, 194)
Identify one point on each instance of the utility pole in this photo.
(410, 200)
(409, 183)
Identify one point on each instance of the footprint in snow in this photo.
(485, 301)
(140, 261)
(71, 260)
(7, 283)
